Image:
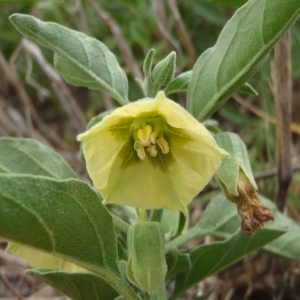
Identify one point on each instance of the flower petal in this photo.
(100, 148)
(170, 179)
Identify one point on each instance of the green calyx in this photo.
(147, 266)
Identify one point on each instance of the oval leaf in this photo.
(208, 259)
(81, 60)
(240, 50)
(221, 219)
(27, 156)
(62, 218)
(164, 71)
(77, 286)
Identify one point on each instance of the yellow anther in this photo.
(152, 150)
(163, 145)
(144, 135)
(141, 152)
(146, 140)
(153, 137)
(148, 130)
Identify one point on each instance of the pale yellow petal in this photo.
(141, 185)
(100, 149)
(144, 186)
(186, 156)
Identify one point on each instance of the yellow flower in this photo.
(150, 154)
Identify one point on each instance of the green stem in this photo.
(118, 284)
(191, 234)
(120, 224)
(143, 215)
(156, 215)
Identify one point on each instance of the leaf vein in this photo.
(60, 51)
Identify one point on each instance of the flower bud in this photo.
(164, 71)
(147, 265)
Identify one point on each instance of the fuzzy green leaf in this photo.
(77, 286)
(164, 72)
(149, 87)
(27, 156)
(209, 259)
(221, 219)
(177, 262)
(82, 60)
(248, 89)
(228, 172)
(147, 65)
(179, 84)
(62, 218)
(242, 47)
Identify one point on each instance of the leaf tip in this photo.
(13, 17)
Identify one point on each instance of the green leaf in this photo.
(129, 274)
(242, 47)
(149, 87)
(211, 258)
(147, 65)
(177, 262)
(231, 2)
(228, 172)
(287, 245)
(179, 84)
(77, 286)
(170, 222)
(82, 60)
(27, 156)
(212, 126)
(221, 219)
(62, 218)
(122, 249)
(212, 13)
(164, 72)
(248, 90)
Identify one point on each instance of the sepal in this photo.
(147, 264)
(229, 170)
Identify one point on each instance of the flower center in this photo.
(149, 139)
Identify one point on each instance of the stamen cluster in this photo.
(148, 138)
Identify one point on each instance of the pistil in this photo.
(144, 135)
